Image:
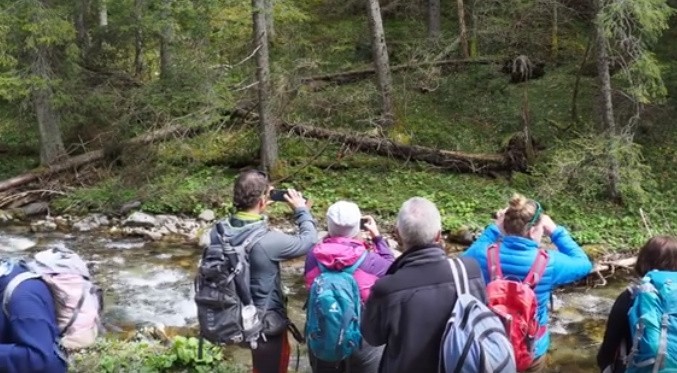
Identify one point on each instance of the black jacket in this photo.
(409, 307)
(616, 335)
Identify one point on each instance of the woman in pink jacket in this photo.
(340, 249)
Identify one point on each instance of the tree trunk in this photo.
(268, 131)
(463, 32)
(434, 28)
(166, 36)
(474, 48)
(451, 160)
(103, 14)
(138, 39)
(554, 37)
(80, 24)
(270, 19)
(381, 63)
(51, 144)
(577, 83)
(608, 119)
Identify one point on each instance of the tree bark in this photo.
(434, 28)
(80, 24)
(268, 131)
(601, 45)
(463, 31)
(270, 19)
(474, 47)
(51, 144)
(577, 83)
(381, 63)
(457, 161)
(554, 37)
(103, 14)
(166, 39)
(138, 38)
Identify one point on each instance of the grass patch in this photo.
(117, 356)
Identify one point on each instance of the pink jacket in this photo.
(340, 252)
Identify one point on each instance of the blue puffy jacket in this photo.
(29, 336)
(566, 264)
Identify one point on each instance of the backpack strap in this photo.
(12, 285)
(76, 310)
(537, 270)
(350, 270)
(460, 275)
(494, 262)
(662, 344)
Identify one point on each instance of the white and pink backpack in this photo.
(78, 301)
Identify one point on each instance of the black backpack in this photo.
(222, 288)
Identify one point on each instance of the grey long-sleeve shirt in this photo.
(271, 249)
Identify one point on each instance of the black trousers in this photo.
(364, 360)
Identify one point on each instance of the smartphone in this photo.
(277, 195)
(363, 223)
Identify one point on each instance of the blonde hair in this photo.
(519, 215)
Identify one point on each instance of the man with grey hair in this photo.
(409, 307)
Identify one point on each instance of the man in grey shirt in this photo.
(250, 198)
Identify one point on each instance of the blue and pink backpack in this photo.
(333, 313)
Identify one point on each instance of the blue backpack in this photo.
(653, 322)
(333, 314)
(474, 340)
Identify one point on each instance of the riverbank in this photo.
(148, 297)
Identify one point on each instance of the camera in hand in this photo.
(277, 195)
(363, 223)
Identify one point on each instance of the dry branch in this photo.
(355, 75)
(458, 161)
(611, 266)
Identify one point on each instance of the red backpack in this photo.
(516, 304)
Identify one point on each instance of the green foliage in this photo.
(646, 83)
(633, 28)
(116, 356)
(106, 196)
(27, 26)
(580, 167)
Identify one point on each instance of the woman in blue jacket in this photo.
(29, 335)
(518, 231)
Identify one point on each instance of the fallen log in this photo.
(95, 156)
(355, 75)
(458, 161)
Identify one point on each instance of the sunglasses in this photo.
(537, 215)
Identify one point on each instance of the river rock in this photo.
(35, 208)
(43, 226)
(129, 206)
(207, 215)
(151, 234)
(5, 216)
(63, 221)
(91, 222)
(140, 219)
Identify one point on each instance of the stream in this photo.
(151, 283)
